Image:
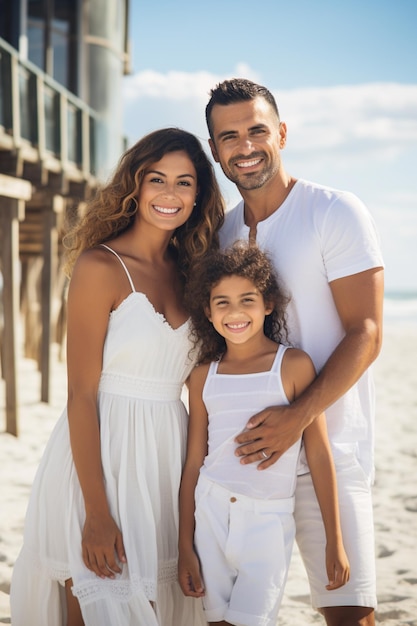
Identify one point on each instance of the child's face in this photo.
(237, 309)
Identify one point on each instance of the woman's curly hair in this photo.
(242, 260)
(113, 209)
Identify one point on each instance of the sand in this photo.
(395, 490)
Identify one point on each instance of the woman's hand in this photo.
(102, 545)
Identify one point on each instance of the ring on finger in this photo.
(264, 454)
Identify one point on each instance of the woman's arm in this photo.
(189, 573)
(90, 300)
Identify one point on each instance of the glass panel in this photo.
(98, 147)
(25, 121)
(6, 13)
(3, 89)
(93, 146)
(62, 38)
(36, 42)
(59, 43)
(51, 121)
(74, 134)
(6, 105)
(36, 27)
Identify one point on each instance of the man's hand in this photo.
(269, 434)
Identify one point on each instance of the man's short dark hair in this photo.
(237, 90)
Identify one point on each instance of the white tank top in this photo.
(231, 399)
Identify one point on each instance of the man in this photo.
(326, 252)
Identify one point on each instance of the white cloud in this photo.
(369, 118)
(357, 118)
(397, 227)
(177, 86)
(358, 137)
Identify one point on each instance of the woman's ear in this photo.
(207, 312)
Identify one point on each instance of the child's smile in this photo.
(237, 309)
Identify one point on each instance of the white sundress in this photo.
(143, 428)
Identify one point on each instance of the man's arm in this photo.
(359, 302)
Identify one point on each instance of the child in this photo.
(236, 523)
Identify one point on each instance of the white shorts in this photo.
(355, 503)
(244, 545)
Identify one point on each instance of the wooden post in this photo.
(49, 273)
(13, 193)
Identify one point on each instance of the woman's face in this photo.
(168, 191)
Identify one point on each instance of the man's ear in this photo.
(283, 135)
(213, 151)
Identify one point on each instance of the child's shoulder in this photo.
(297, 358)
(199, 373)
(297, 372)
(295, 353)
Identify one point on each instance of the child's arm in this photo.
(297, 373)
(320, 461)
(189, 574)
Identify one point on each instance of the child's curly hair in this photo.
(242, 260)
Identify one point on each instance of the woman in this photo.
(100, 544)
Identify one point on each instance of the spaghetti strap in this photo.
(276, 365)
(213, 368)
(123, 265)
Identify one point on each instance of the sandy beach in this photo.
(395, 491)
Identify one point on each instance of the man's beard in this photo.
(254, 180)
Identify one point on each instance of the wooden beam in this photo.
(11, 211)
(11, 187)
(49, 272)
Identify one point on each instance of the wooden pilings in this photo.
(13, 195)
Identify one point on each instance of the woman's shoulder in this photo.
(97, 259)
(98, 271)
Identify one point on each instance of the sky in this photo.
(344, 75)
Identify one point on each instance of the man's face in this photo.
(247, 138)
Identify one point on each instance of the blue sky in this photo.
(344, 76)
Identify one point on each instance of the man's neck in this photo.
(260, 203)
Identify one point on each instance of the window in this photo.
(52, 39)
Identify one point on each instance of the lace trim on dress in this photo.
(56, 570)
(159, 316)
(124, 590)
(119, 590)
(167, 572)
(149, 389)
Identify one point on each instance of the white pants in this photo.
(244, 545)
(355, 503)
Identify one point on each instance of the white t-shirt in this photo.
(318, 235)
